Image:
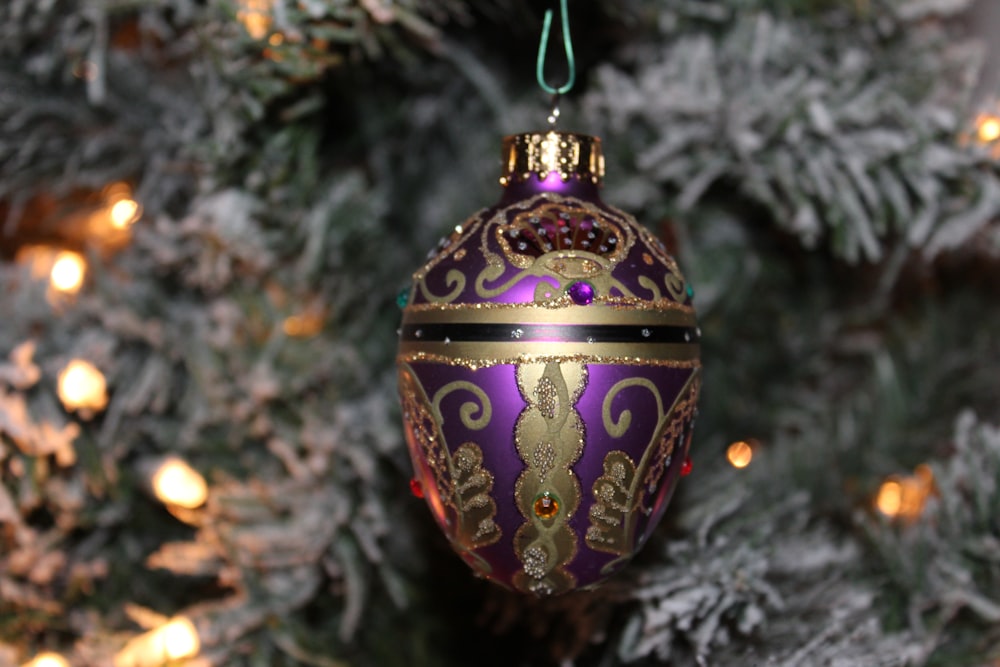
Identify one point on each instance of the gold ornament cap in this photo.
(572, 156)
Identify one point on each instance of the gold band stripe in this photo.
(539, 315)
(491, 354)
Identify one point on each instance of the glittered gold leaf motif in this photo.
(461, 491)
(613, 502)
(473, 498)
(625, 491)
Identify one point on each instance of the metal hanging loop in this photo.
(543, 47)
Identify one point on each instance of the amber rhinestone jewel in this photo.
(546, 506)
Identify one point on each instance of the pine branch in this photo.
(834, 127)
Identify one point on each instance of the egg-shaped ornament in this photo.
(549, 372)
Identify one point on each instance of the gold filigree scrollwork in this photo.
(549, 436)
(674, 280)
(617, 428)
(495, 265)
(624, 490)
(468, 410)
(650, 284)
(455, 279)
(680, 414)
(427, 447)
(463, 487)
(594, 242)
(675, 286)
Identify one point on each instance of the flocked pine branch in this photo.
(837, 128)
(946, 563)
(264, 215)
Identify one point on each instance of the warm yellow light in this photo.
(303, 326)
(904, 497)
(175, 640)
(123, 213)
(988, 129)
(255, 15)
(68, 271)
(81, 386)
(48, 659)
(180, 639)
(177, 483)
(739, 454)
(890, 498)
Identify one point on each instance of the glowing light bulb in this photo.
(905, 497)
(177, 639)
(47, 659)
(123, 213)
(255, 15)
(67, 272)
(988, 129)
(890, 498)
(180, 639)
(177, 483)
(305, 325)
(81, 386)
(739, 454)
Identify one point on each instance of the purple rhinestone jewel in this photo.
(582, 293)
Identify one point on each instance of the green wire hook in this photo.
(543, 47)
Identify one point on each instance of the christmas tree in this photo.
(209, 208)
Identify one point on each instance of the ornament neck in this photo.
(561, 162)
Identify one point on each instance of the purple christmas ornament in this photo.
(549, 370)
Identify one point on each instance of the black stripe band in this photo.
(569, 333)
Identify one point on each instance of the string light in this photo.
(985, 132)
(178, 484)
(905, 496)
(304, 325)
(81, 386)
(255, 15)
(119, 212)
(67, 272)
(739, 454)
(177, 639)
(890, 498)
(987, 128)
(123, 213)
(47, 659)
